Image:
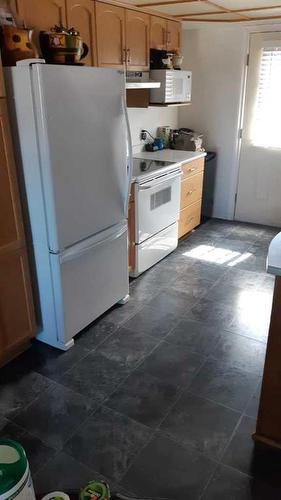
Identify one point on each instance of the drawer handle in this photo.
(190, 219)
(191, 169)
(190, 192)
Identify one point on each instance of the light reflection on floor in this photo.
(216, 255)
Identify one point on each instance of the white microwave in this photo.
(175, 86)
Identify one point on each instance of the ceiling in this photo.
(217, 11)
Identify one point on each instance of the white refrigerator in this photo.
(73, 142)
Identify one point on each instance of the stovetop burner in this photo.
(142, 166)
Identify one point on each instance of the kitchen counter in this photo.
(274, 256)
(175, 155)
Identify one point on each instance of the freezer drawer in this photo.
(155, 249)
(87, 282)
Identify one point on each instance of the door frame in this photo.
(250, 31)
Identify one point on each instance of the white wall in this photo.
(150, 119)
(216, 56)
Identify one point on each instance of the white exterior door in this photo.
(259, 184)
(82, 133)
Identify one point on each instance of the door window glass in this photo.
(266, 120)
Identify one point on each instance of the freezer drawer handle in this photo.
(73, 254)
(165, 179)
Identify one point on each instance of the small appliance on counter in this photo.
(162, 59)
(154, 145)
(186, 139)
(63, 46)
(164, 133)
(175, 86)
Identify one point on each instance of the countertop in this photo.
(274, 256)
(176, 155)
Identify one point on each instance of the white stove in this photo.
(157, 206)
(146, 169)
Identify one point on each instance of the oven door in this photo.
(157, 205)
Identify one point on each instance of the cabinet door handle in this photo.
(191, 169)
(190, 219)
(128, 56)
(123, 56)
(190, 192)
(168, 37)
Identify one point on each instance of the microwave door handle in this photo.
(143, 187)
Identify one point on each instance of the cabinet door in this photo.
(16, 318)
(137, 40)
(16, 305)
(42, 14)
(80, 15)
(2, 83)
(11, 230)
(110, 27)
(158, 28)
(173, 36)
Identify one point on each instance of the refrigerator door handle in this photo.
(130, 155)
(81, 248)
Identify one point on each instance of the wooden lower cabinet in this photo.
(268, 430)
(16, 307)
(189, 218)
(191, 189)
(192, 167)
(17, 319)
(191, 196)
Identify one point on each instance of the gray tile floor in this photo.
(160, 395)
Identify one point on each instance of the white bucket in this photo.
(16, 482)
(56, 494)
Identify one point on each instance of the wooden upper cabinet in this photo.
(11, 230)
(158, 29)
(173, 36)
(110, 28)
(80, 15)
(137, 39)
(42, 14)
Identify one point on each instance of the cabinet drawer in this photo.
(191, 189)
(192, 167)
(189, 218)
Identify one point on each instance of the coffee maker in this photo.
(156, 59)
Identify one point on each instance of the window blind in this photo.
(266, 124)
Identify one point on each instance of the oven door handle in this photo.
(155, 184)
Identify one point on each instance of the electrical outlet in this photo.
(143, 135)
